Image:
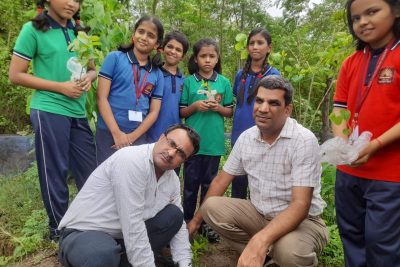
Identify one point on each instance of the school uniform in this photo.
(367, 196)
(243, 119)
(169, 112)
(200, 169)
(132, 88)
(63, 139)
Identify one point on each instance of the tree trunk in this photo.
(325, 107)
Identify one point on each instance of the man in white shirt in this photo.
(130, 207)
(281, 158)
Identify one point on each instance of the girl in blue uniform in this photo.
(130, 90)
(256, 66)
(175, 46)
(63, 139)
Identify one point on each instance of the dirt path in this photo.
(218, 255)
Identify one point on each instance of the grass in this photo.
(23, 221)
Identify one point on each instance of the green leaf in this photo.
(240, 37)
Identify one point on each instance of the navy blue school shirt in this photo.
(119, 68)
(169, 113)
(243, 115)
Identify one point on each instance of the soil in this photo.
(218, 255)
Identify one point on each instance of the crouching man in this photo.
(281, 159)
(130, 207)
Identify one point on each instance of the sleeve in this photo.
(159, 90)
(184, 101)
(236, 83)
(228, 96)
(342, 89)
(306, 165)
(108, 67)
(26, 43)
(234, 164)
(129, 186)
(180, 245)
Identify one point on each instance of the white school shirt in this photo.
(120, 195)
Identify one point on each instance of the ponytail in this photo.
(157, 60)
(40, 22)
(78, 27)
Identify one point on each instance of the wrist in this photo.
(379, 142)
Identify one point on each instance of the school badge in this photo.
(386, 75)
(148, 89)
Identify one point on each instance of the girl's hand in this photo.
(213, 105)
(85, 82)
(121, 140)
(372, 147)
(202, 105)
(71, 89)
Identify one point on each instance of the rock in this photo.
(16, 153)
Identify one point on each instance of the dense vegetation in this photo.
(309, 44)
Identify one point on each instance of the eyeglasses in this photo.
(171, 143)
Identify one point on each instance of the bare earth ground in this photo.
(218, 255)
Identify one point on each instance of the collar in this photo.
(133, 60)
(213, 77)
(55, 25)
(380, 50)
(167, 73)
(251, 72)
(286, 132)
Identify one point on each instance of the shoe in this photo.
(54, 235)
(209, 233)
(164, 261)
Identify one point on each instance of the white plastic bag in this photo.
(338, 151)
(75, 68)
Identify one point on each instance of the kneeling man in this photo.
(281, 158)
(130, 207)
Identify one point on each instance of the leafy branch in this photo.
(343, 116)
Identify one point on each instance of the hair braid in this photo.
(243, 77)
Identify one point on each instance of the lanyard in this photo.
(363, 90)
(135, 70)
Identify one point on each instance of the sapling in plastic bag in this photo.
(76, 69)
(338, 151)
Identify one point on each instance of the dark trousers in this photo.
(198, 172)
(105, 141)
(97, 249)
(61, 144)
(368, 216)
(239, 187)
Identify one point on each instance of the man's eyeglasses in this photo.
(171, 143)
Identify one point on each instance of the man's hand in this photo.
(193, 226)
(254, 253)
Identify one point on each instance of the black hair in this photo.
(276, 82)
(191, 133)
(394, 6)
(41, 23)
(156, 60)
(192, 65)
(247, 65)
(179, 37)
